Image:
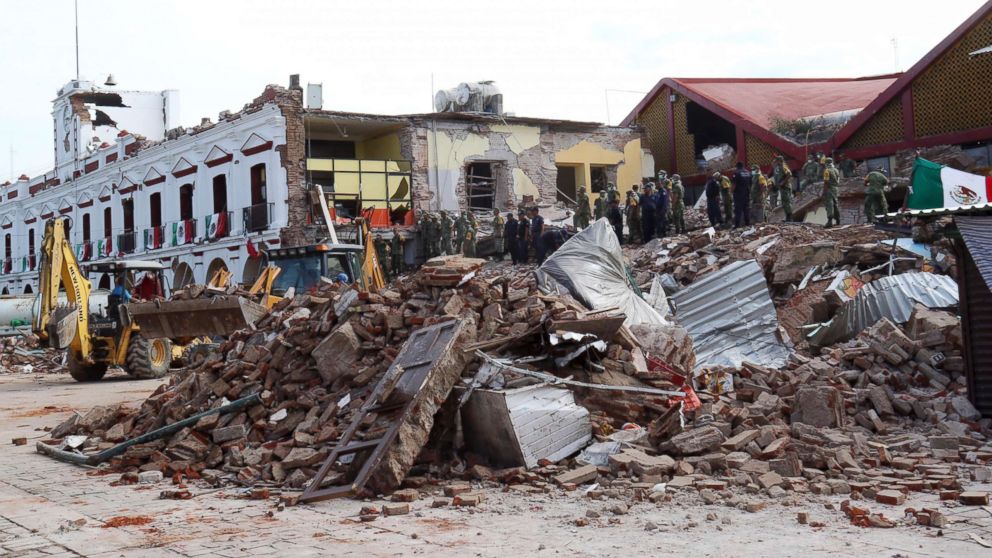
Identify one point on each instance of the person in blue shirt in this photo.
(663, 207)
(121, 291)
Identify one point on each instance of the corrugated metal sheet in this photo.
(981, 208)
(731, 318)
(977, 234)
(889, 297)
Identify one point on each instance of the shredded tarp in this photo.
(590, 267)
(731, 318)
(890, 297)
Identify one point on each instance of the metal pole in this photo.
(76, 4)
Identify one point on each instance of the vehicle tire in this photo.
(86, 372)
(196, 354)
(148, 358)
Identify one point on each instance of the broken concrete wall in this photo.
(524, 157)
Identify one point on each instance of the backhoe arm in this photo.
(59, 269)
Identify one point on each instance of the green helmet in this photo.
(676, 178)
(755, 167)
(662, 173)
(829, 160)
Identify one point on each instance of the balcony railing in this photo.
(217, 225)
(257, 217)
(126, 242)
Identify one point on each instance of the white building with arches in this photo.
(192, 199)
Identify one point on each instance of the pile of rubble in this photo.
(22, 354)
(429, 376)
(313, 361)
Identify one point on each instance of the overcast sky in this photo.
(549, 58)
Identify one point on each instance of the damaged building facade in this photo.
(941, 100)
(215, 195)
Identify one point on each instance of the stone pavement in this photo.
(49, 508)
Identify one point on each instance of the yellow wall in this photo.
(585, 155)
(382, 147)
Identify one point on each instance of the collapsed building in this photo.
(216, 195)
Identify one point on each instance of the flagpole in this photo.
(76, 4)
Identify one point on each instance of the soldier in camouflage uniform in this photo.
(461, 225)
(809, 173)
(468, 243)
(581, 217)
(759, 195)
(875, 203)
(599, 206)
(664, 203)
(426, 229)
(612, 193)
(435, 228)
(382, 253)
(783, 183)
(831, 182)
(445, 233)
(633, 216)
(499, 239)
(396, 251)
(678, 204)
(727, 197)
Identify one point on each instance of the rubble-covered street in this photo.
(48, 508)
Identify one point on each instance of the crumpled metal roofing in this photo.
(890, 297)
(590, 267)
(977, 235)
(731, 318)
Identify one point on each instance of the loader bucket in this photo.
(174, 319)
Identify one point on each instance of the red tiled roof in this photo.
(758, 100)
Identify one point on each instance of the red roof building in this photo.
(944, 99)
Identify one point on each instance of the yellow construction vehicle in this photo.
(302, 267)
(96, 338)
(135, 336)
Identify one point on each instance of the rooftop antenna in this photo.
(895, 53)
(76, 4)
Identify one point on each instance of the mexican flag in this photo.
(936, 186)
(182, 232)
(153, 238)
(103, 247)
(216, 225)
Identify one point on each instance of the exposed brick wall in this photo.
(293, 157)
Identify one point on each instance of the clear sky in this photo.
(550, 58)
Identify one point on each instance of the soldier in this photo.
(445, 233)
(468, 244)
(810, 172)
(783, 183)
(537, 234)
(600, 206)
(633, 216)
(611, 192)
(713, 200)
(435, 236)
(510, 235)
(523, 234)
(847, 167)
(875, 202)
(759, 193)
(772, 189)
(382, 253)
(742, 195)
(727, 197)
(831, 182)
(649, 209)
(426, 229)
(498, 231)
(472, 221)
(678, 204)
(664, 211)
(616, 219)
(461, 225)
(396, 251)
(581, 217)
